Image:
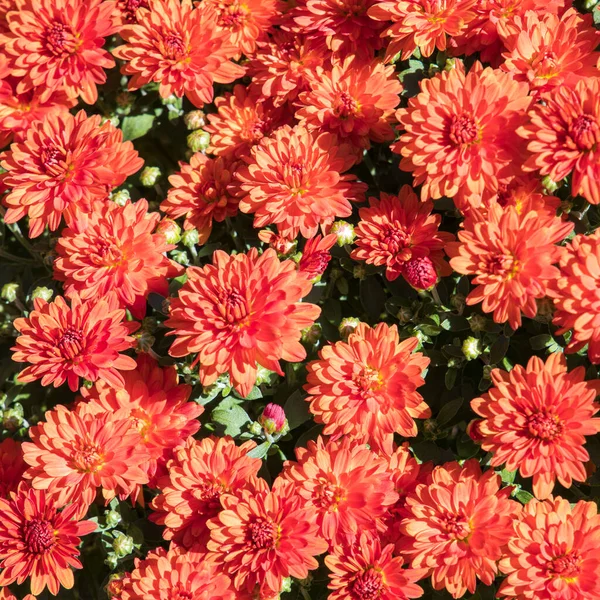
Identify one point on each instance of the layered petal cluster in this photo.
(63, 343)
(366, 388)
(315, 256)
(128, 10)
(12, 466)
(240, 312)
(61, 166)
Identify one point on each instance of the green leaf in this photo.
(523, 497)
(233, 417)
(425, 451)
(449, 410)
(260, 451)
(372, 297)
(136, 127)
(253, 394)
(455, 323)
(296, 410)
(508, 477)
(450, 378)
(498, 349)
(466, 447)
(538, 342)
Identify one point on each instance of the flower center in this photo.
(294, 177)
(354, 8)
(142, 422)
(503, 265)
(110, 255)
(566, 567)
(368, 585)
(88, 458)
(256, 131)
(173, 46)
(328, 496)
(179, 593)
(129, 8)
(60, 39)
(368, 379)
(347, 106)
(544, 426)
(545, 64)
(51, 157)
(457, 527)
(234, 308)
(209, 496)
(38, 536)
(234, 15)
(70, 343)
(395, 240)
(464, 131)
(262, 534)
(585, 132)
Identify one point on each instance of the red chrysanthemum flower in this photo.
(179, 48)
(5, 594)
(166, 575)
(294, 180)
(281, 244)
(261, 537)
(460, 133)
(575, 294)
(564, 137)
(457, 527)
(348, 486)
(156, 406)
(37, 541)
(536, 419)
(117, 252)
(72, 454)
(355, 100)
(366, 571)
(199, 474)
(241, 121)
(396, 229)
(63, 343)
(554, 553)
(512, 258)
(200, 193)
(366, 388)
(61, 167)
(57, 45)
(240, 312)
(546, 50)
(423, 24)
(316, 256)
(282, 68)
(128, 10)
(12, 466)
(245, 22)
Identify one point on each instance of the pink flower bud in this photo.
(420, 273)
(273, 419)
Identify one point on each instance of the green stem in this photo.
(17, 259)
(16, 231)
(234, 235)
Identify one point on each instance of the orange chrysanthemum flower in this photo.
(397, 229)
(128, 10)
(74, 453)
(117, 252)
(57, 45)
(201, 472)
(575, 294)
(347, 484)
(355, 100)
(423, 24)
(61, 167)
(200, 193)
(282, 68)
(365, 571)
(366, 388)
(536, 419)
(554, 553)
(37, 541)
(179, 48)
(294, 180)
(460, 133)
(240, 312)
(261, 537)
(164, 575)
(315, 256)
(546, 50)
(564, 134)
(457, 526)
(12, 466)
(156, 406)
(512, 258)
(63, 343)
(241, 121)
(5, 594)
(245, 22)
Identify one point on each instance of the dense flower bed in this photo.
(299, 298)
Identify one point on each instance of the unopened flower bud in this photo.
(149, 324)
(458, 301)
(471, 348)
(549, 185)
(255, 428)
(198, 140)
(9, 292)
(125, 100)
(123, 545)
(477, 323)
(344, 232)
(145, 340)
(42, 292)
(190, 238)
(420, 273)
(120, 197)
(545, 310)
(273, 419)
(111, 561)
(359, 271)
(113, 518)
(404, 315)
(115, 585)
(181, 257)
(312, 334)
(195, 119)
(112, 119)
(347, 326)
(149, 176)
(13, 418)
(431, 430)
(170, 229)
(474, 430)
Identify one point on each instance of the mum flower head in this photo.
(457, 526)
(397, 229)
(553, 554)
(563, 133)
(460, 133)
(354, 99)
(12, 466)
(57, 45)
(63, 343)
(366, 388)
(423, 24)
(512, 258)
(536, 420)
(128, 10)
(348, 485)
(575, 296)
(179, 48)
(117, 252)
(38, 541)
(73, 453)
(295, 179)
(199, 474)
(315, 256)
(62, 165)
(241, 312)
(262, 537)
(366, 569)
